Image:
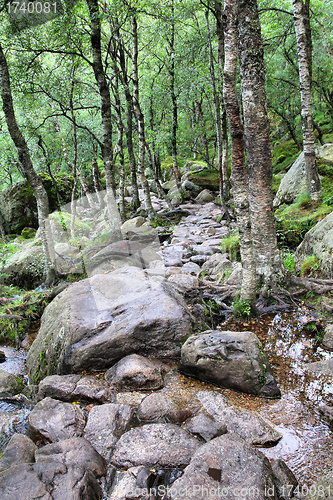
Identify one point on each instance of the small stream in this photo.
(306, 446)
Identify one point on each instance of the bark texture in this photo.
(239, 175)
(304, 50)
(28, 169)
(104, 92)
(256, 129)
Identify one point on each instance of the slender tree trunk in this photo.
(217, 107)
(140, 121)
(221, 56)
(29, 172)
(256, 128)
(239, 176)
(104, 92)
(120, 147)
(86, 189)
(304, 50)
(97, 187)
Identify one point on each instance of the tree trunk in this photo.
(239, 176)
(256, 129)
(217, 109)
(29, 172)
(120, 147)
(104, 92)
(140, 121)
(304, 50)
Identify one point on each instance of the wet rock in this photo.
(158, 445)
(184, 282)
(205, 427)
(155, 406)
(178, 416)
(284, 480)
(234, 360)
(130, 484)
(20, 449)
(2, 357)
(328, 337)
(226, 467)
(74, 388)
(105, 424)
(319, 242)
(327, 414)
(95, 322)
(135, 372)
(247, 424)
(53, 420)
(325, 367)
(73, 452)
(10, 384)
(48, 481)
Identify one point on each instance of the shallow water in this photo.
(306, 446)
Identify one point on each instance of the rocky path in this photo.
(132, 430)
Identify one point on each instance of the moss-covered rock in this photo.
(18, 206)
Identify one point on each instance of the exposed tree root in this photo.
(314, 285)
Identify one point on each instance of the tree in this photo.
(304, 50)
(28, 169)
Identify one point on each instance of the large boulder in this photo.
(19, 450)
(293, 184)
(97, 321)
(248, 424)
(53, 420)
(155, 445)
(319, 242)
(74, 387)
(24, 268)
(226, 467)
(234, 360)
(48, 481)
(136, 372)
(10, 384)
(18, 207)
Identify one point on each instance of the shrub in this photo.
(289, 262)
(241, 308)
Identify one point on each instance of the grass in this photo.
(231, 245)
(310, 265)
(284, 155)
(289, 261)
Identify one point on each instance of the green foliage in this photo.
(289, 261)
(276, 181)
(294, 221)
(231, 245)
(326, 171)
(310, 265)
(208, 178)
(241, 308)
(284, 155)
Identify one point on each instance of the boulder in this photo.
(48, 481)
(191, 187)
(76, 452)
(74, 388)
(105, 424)
(328, 337)
(247, 424)
(284, 479)
(19, 450)
(95, 322)
(133, 483)
(132, 224)
(205, 196)
(205, 427)
(234, 360)
(226, 467)
(325, 367)
(184, 282)
(155, 406)
(155, 445)
(53, 420)
(135, 372)
(319, 242)
(10, 384)
(24, 268)
(293, 184)
(217, 265)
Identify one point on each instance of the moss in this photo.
(293, 221)
(283, 155)
(207, 178)
(310, 265)
(231, 245)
